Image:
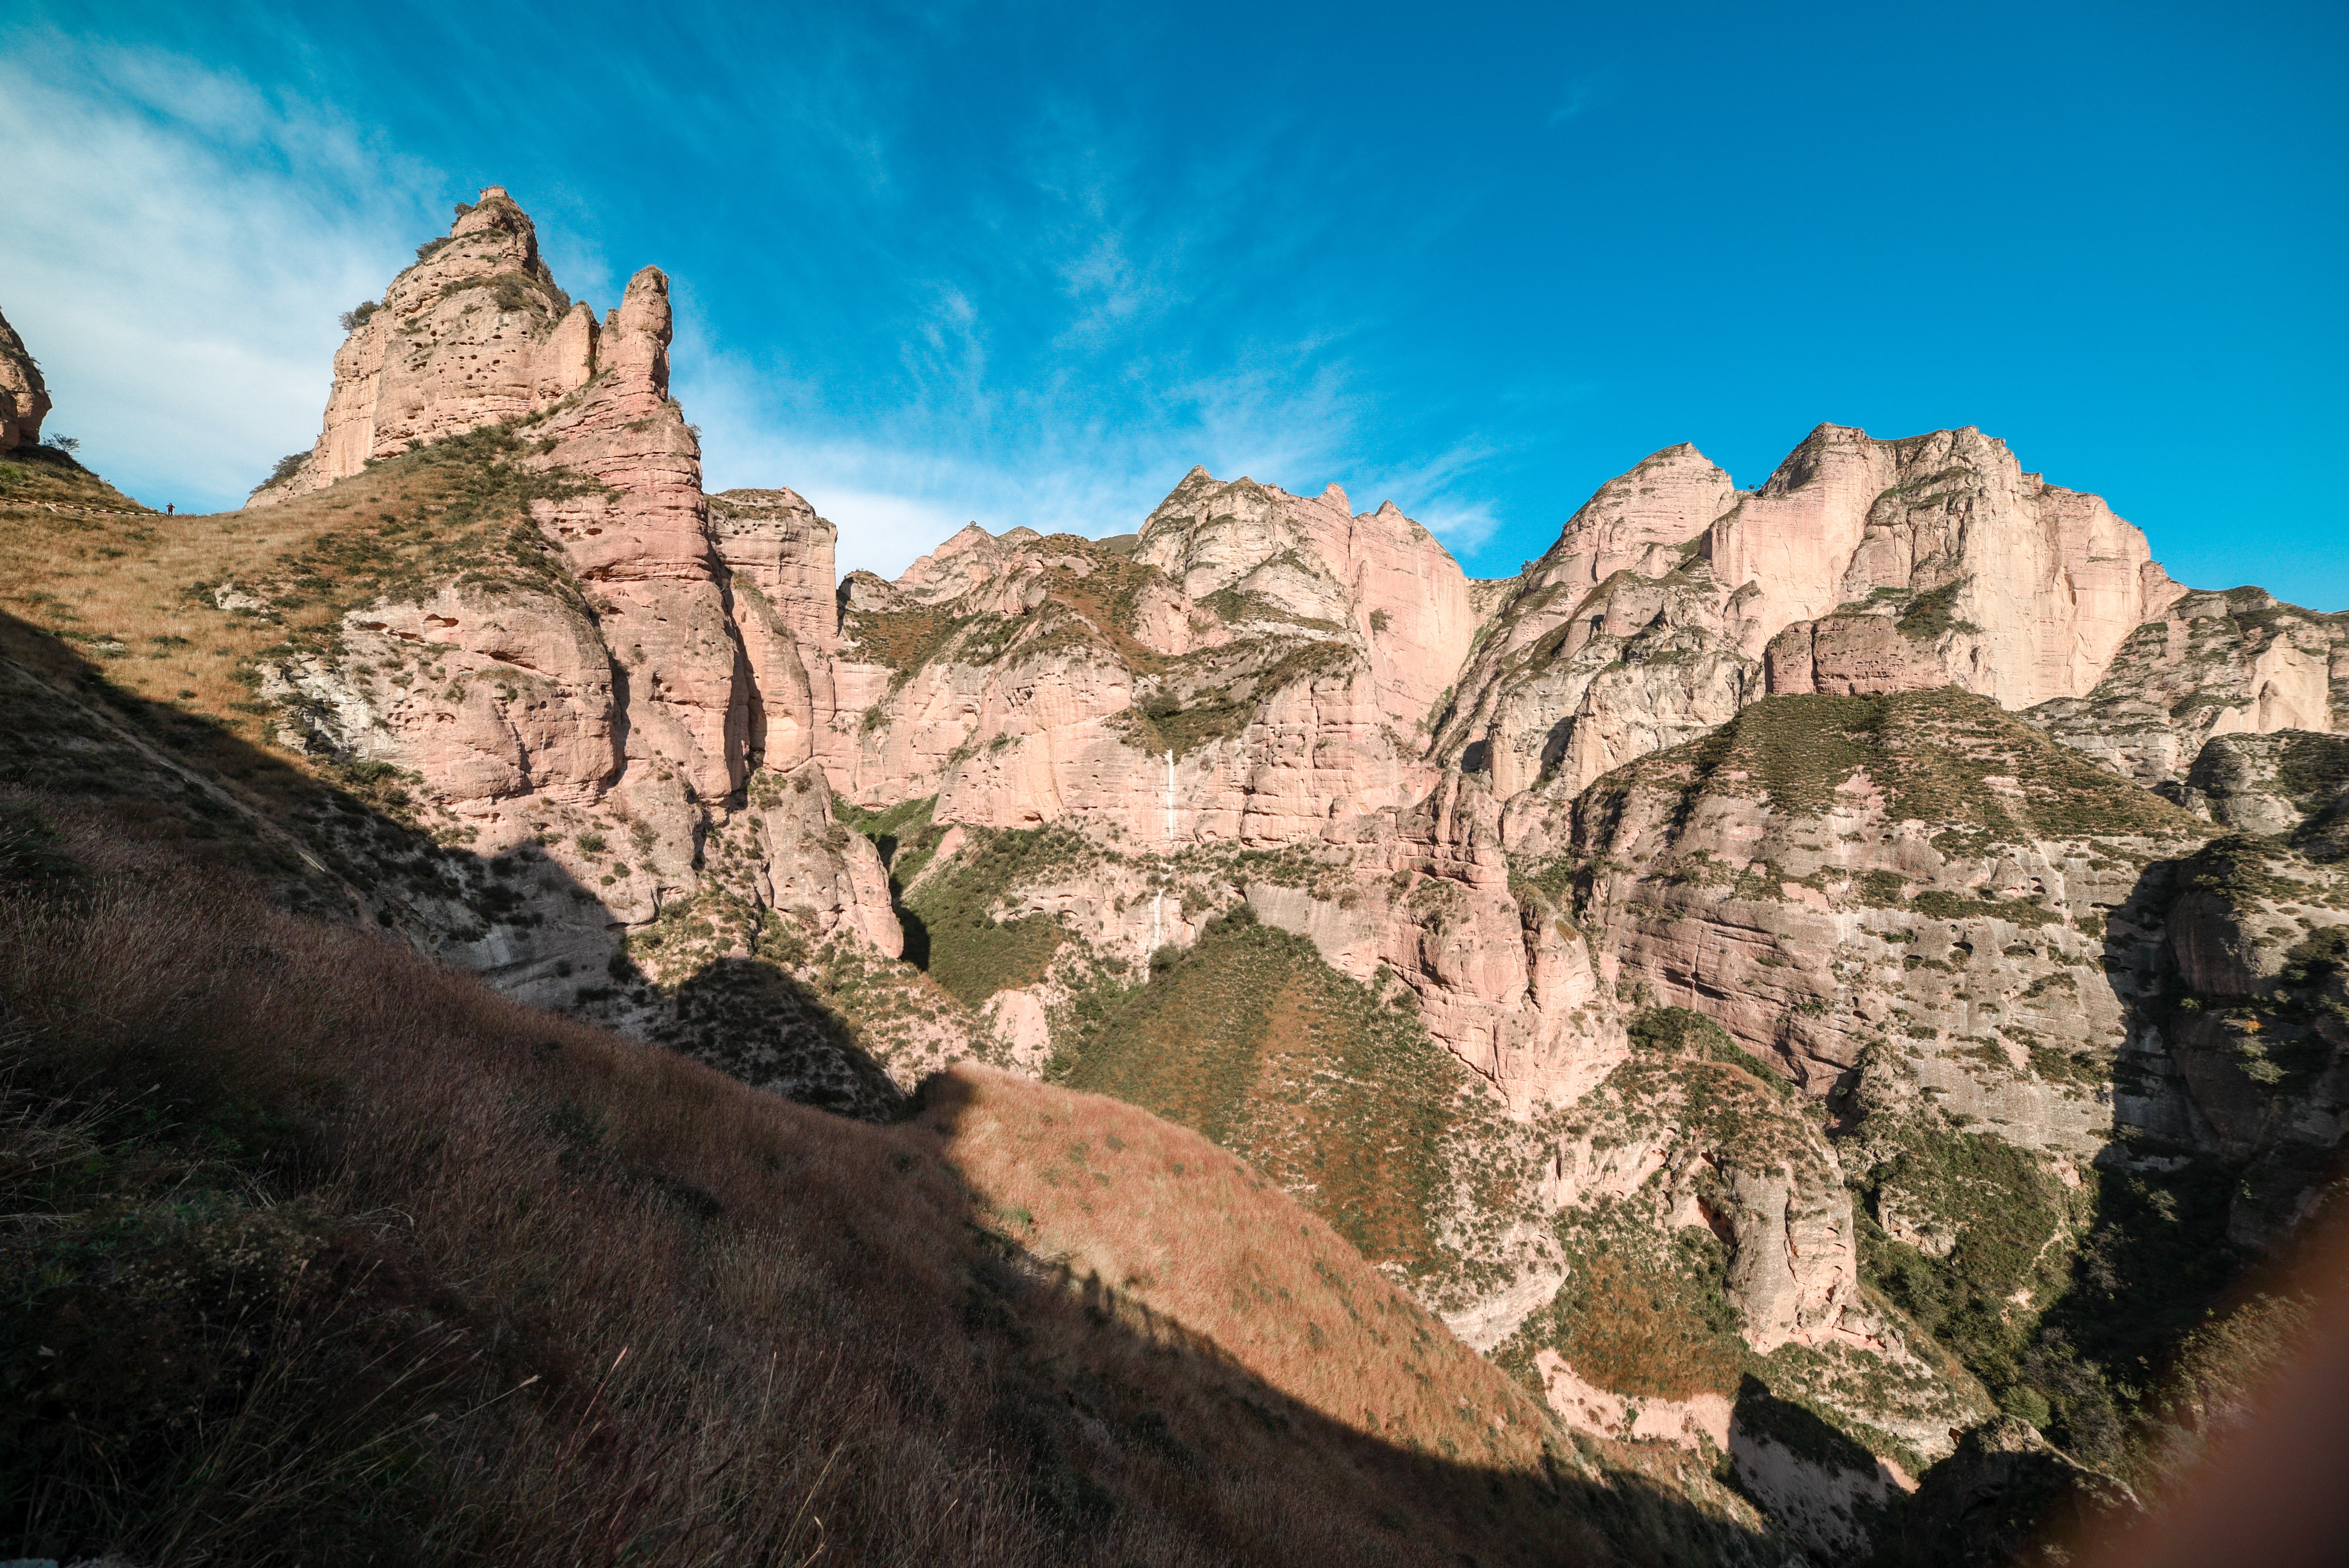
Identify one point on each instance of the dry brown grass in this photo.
(1152, 1216)
(100, 581)
(318, 1252)
(135, 593)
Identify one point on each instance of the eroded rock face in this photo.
(641, 698)
(2241, 1052)
(1920, 869)
(2236, 663)
(24, 397)
(1313, 561)
(1671, 599)
(475, 333)
(778, 559)
(1026, 679)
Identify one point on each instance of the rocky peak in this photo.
(1378, 577)
(24, 398)
(1861, 566)
(637, 332)
(474, 332)
(1638, 522)
(970, 557)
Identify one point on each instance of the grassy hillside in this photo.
(1332, 1095)
(326, 1253)
(164, 602)
(1944, 757)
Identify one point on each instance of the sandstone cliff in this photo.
(2236, 663)
(476, 332)
(23, 397)
(613, 681)
(1671, 599)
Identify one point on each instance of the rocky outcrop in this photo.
(632, 693)
(1861, 566)
(1827, 872)
(475, 334)
(777, 555)
(1313, 561)
(2291, 783)
(2020, 589)
(2236, 663)
(24, 397)
(2241, 1049)
(1029, 679)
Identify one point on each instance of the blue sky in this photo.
(1028, 262)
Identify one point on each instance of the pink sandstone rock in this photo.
(1861, 566)
(2236, 663)
(23, 397)
(475, 333)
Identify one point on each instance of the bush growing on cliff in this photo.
(284, 469)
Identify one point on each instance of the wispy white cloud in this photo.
(1582, 95)
(181, 241)
(179, 244)
(1463, 528)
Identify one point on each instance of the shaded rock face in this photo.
(2270, 784)
(2211, 665)
(2020, 983)
(2242, 1049)
(23, 397)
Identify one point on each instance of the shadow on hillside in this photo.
(161, 777)
(1549, 1515)
(2179, 1226)
(834, 1305)
(2159, 1254)
(338, 844)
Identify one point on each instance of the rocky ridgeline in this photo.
(1672, 599)
(1785, 867)
(474, 332)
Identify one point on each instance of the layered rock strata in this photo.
(2234, 663)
